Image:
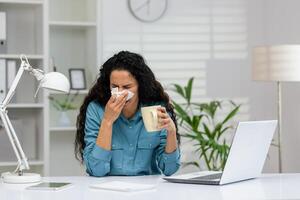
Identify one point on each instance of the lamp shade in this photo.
(276, 63)
(55, 81)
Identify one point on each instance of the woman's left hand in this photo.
(165, 121)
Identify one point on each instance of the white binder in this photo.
(2, 79)
(11, 72)
(3, 34)
(2, 26)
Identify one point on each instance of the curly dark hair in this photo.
(149, 91)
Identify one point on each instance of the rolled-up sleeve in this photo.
(96, 159)
(168, 163)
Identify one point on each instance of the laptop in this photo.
(246, 157)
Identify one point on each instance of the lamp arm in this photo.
(22, 160)
(25, 66)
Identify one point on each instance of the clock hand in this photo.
(148, 7)
(141, 6)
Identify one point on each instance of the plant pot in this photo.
(64, 120)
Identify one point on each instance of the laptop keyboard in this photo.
(209, 177)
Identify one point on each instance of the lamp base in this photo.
(14, 178)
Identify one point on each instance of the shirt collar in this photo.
(135, 117)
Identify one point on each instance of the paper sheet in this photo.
(122, 186)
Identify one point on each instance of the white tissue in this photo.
(114, 91)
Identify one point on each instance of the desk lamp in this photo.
(53, 81)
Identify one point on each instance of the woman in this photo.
(111, 137)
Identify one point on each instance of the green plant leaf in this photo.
(206, 131)
(210, 108)
(188, 90)
(194, 163)
(181, 113)
(199, 135)
(223, 131)
(217, 130)
(204, 107)
(179, 90)
(62, 105)
(190, 136)
(210, 159)
(231, 114)
(213, 106)
(196, 121)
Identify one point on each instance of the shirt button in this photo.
(130, 145)
(130, 126)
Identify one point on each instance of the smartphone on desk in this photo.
(49, 186)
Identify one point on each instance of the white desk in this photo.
(269, 186)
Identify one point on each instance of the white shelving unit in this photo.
(32, 2)
(71, 92)
(25, 35)
(26, 105)
(31, 163)
(73, 43)
(63, 129)
(72, 24)
(17, 56)
(68, 31)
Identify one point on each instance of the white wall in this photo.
(212, 39)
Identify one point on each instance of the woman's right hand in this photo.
(114, 107)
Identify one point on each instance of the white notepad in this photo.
(122, 186)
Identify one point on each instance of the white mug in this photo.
(150, 118)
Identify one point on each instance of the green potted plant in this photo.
(199, 122)
(62, 106)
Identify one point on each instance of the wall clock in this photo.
(148, 10)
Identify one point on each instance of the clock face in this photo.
(147, 10)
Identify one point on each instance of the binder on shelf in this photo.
(11, 72)
(2, 32)
(2, 79)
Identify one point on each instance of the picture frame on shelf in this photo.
(77, 78)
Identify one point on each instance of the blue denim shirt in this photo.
(134, 151)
